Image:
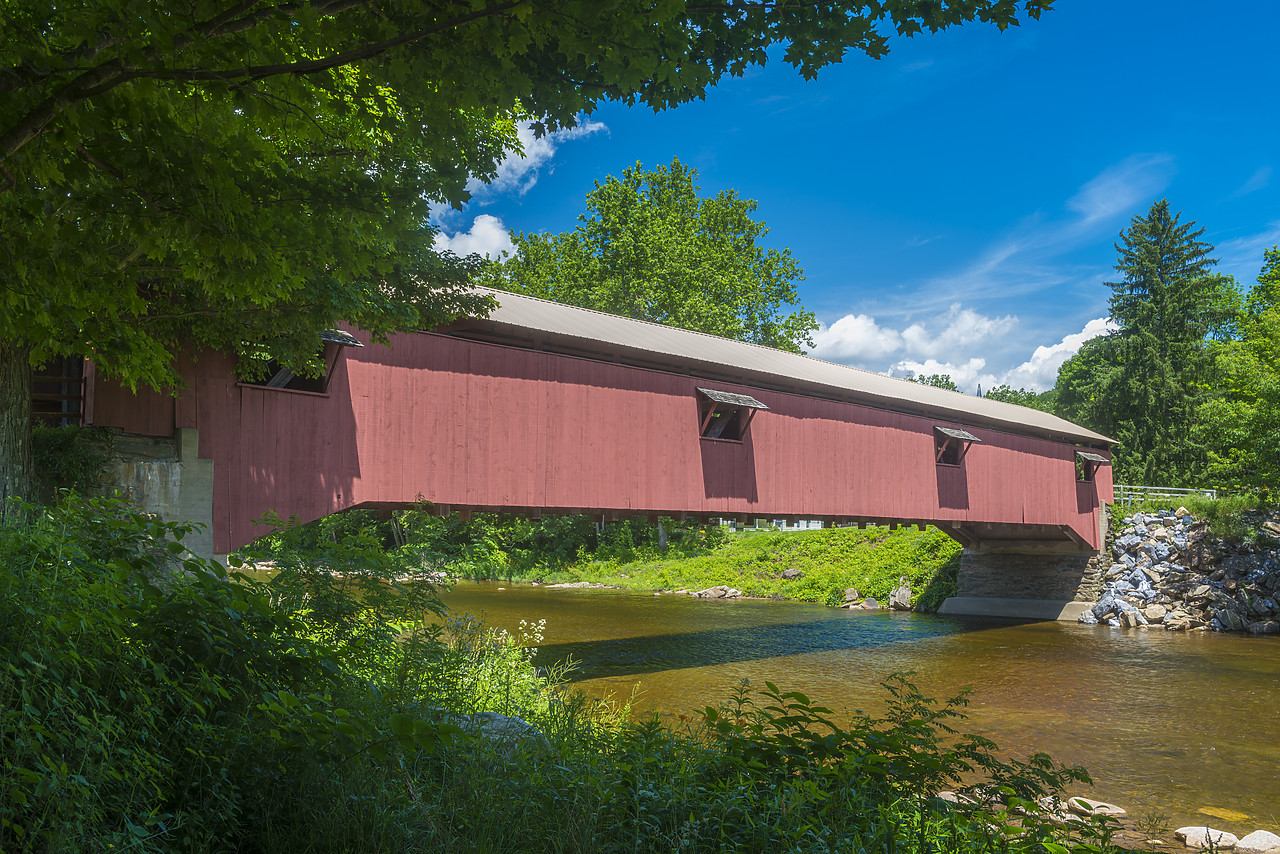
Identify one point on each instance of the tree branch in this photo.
(96, 81)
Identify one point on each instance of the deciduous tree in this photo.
(1240, 422)
(652, 248)
(936, 380)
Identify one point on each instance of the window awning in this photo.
(953, 433)
(1091, 457)
(730, 399)
(337, 336)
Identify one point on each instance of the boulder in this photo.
(719, 592)
(792, 574)
(852, 595)
(1259, 842)
(870, 604)
(1154, 613)
(1265, 627)
(1089, 807)
(1161, 533)
(960, 799)
(501, 729)
(900, 598)
(1201, 837)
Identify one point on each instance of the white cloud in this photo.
(858, 339)
(958, 328)
(957, 342)
(487, 236)
(855, 339)
(519, 172)
(967, 375)
(1040, 372)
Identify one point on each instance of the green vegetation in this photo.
(943, 381)
(650, 247)
(1144, 383)
(833, 560)
(1235, 517)
(151, 703)
(632, 553)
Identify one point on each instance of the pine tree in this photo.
(1153, 375)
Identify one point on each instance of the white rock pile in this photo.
(1168, 574)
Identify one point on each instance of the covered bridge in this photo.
(544, 408)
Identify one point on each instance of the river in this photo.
(1166, 722)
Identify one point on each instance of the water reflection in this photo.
(1166, 722)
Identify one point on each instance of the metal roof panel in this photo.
(683, 345)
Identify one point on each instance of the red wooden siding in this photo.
(470, 424)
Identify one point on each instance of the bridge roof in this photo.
(667, 347)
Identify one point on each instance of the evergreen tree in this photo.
(1143, 383)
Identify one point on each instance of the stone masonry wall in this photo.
(165, 476)
(1061, 577)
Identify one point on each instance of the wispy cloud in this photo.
(1242, 256)
(520, 171)
(1257, 181)
(1123, 187)
(1028, 258)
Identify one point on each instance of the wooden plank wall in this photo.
(470, 424)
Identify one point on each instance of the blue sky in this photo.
(955, 205)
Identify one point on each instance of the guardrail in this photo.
(1126, 494)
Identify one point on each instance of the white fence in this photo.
(1134, 494)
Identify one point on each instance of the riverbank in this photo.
(223, 714)
(1170, 571)
(830, 566)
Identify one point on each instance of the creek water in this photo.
(1184, 724)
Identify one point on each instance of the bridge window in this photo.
(725, 415)
(950, 445)
(1087, 464)
(268, 373)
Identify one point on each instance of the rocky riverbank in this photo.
(1171, 573)
(1129, 834)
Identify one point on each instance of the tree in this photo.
(1240, 422)
(1143, 383)
(242, 173)
(650, 247)
(1020, 396)
(936, 380)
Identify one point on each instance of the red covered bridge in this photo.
(543, 408)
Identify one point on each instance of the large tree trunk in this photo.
(17, 469)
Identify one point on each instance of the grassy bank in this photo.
(830, 561)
